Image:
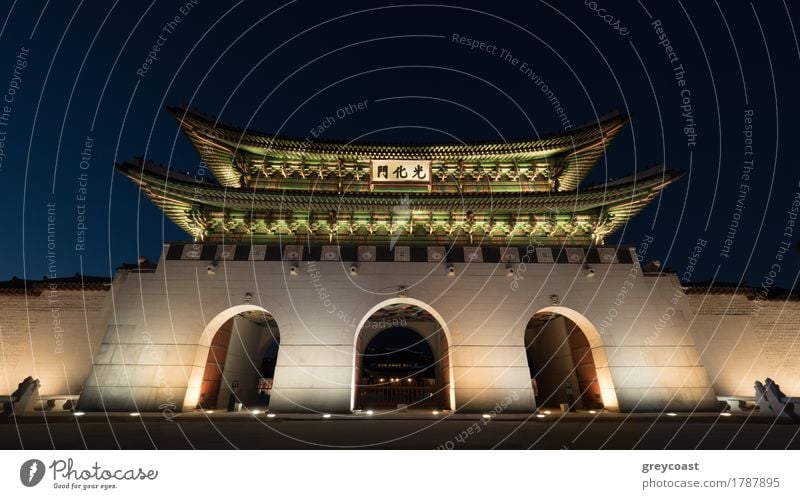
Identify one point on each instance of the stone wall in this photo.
(741, 340)
(52, 334)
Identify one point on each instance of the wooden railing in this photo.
(397, 393)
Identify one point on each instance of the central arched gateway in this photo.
(401, 355)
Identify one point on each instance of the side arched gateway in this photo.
(401, 355)
(567, 361)
(235, 359)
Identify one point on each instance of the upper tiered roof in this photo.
(278, 189)
(244, 158)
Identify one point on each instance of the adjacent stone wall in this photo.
(741, 340)
(52, 334)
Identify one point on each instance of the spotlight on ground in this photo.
(79, 413)
(486, 416)
(370, 412)
(255, 412)
(134, 414)
(326, 416)
(541, 416)
(270, 415)
(210, 412)
(592, 412)
(546, 412)
(726, 414)
(435, 413)
(671, 414)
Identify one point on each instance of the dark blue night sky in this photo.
(80, 91)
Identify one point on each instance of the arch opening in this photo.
(402, 359)
(561, 347)
(239, 348)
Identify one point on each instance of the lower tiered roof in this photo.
(210, 212)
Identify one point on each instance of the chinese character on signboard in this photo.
(402, 171)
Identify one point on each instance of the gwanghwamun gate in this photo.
(344, 277)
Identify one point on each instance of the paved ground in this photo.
(397, 431)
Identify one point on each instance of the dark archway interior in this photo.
(241, 362)
(561, 364)
(399, 367)
(399, 352)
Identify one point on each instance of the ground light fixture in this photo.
(671, 414)
(270, 415)
(486, 416)
(435, 413)
(79, 413)
(370, 412)
(541, 416)
(255, 412)
(134, 414)
(726, 414)
(326, 416)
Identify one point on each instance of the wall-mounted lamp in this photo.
(652, 266)
(211, 268)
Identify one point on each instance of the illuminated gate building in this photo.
(339, 277)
